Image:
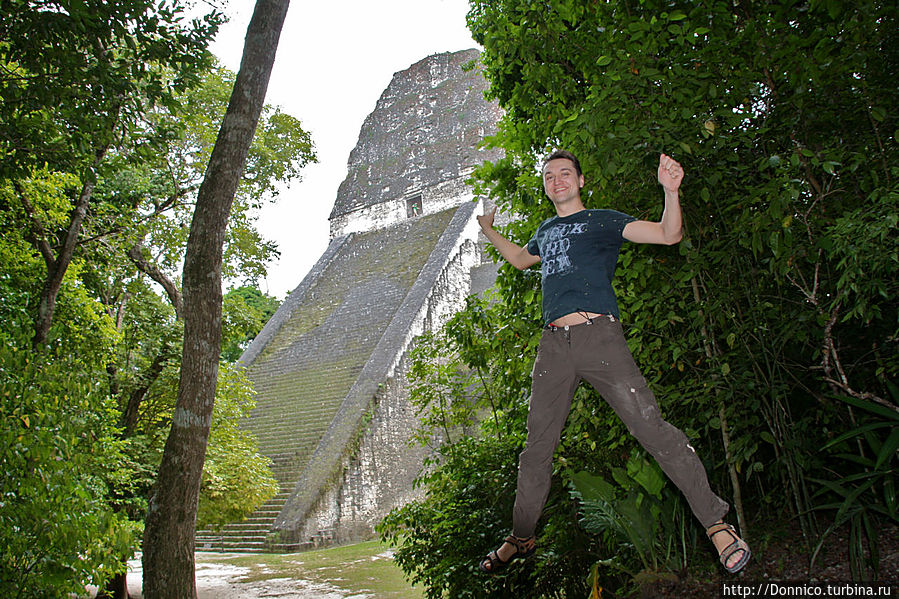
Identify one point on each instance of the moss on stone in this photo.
(303, 375)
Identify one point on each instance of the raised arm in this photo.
(514, 254)
(669, 230)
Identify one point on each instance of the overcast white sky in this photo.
(334, 60)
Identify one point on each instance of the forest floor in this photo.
(784, 558)
(367, 571)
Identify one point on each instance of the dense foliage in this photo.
(770, 333)
(108, 116)
(58, 456)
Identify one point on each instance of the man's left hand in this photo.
(671, 173)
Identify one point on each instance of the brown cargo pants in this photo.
(597, 353)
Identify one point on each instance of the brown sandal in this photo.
(493, 563)
(728, 552)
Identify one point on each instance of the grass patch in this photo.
(362, 568)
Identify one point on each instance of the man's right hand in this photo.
(517, 256)
(486, 220)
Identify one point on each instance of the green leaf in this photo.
(834, 8)
(648, 475)
(890, 414)
(592, 488)
(888, 450)
(829, 165)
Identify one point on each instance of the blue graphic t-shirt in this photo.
(578, 254)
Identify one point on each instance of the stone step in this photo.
(245, 546)
(279, 410)
(280, 444)
(248, 527)
(220, 543)
(281, 497)
(301, 451)
(312, 395)
(259, 517)
(302, 434)
(299, 435)
(299, 430)
(297, 427)
(256, 523)
(271, 506)
(242, 535)
(278, 458)
(265, 511)
(256, 533)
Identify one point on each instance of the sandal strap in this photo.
(730, 551)
(521, 545)
(722, 527)
(492, 562)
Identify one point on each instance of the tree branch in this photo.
(136, 254)
(56, 272)
(129, 418)
(862, 394)
(39, 234)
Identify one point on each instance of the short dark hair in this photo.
(568, 156)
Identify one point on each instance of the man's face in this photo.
(561, 181)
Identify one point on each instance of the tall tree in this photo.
(149, 200)
(168, 558)
(76, 78)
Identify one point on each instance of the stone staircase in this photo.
(251, 535)
(316, 355)
(248, 536)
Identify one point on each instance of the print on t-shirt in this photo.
(554, 254)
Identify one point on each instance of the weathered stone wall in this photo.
(422, 138)
(433, 199)
(376, 477)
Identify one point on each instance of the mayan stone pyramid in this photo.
(329, 368)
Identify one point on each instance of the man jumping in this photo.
(583, 339)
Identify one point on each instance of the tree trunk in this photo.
(116, 588)
(131, 413)
(710, 353)
(168, 558)
(57, 265)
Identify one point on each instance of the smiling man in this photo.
(583, 340)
